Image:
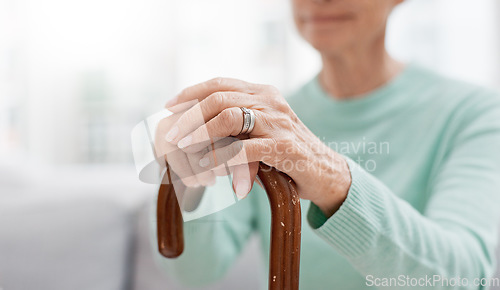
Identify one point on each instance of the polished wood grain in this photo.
(284, 263)
(284, 258)
(169, 223)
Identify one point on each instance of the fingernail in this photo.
(171, 102)
(184, 142)
(172, 134)
(204, 162)
(242, 188)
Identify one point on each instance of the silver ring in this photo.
(248, 121)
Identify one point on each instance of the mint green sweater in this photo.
(424, 199)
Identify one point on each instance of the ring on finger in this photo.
(248, 121)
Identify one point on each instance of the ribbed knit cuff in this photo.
(355, 227)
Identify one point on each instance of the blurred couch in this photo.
(87, 229)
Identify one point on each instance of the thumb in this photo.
(243, 178)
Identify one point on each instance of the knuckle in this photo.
(216, 82)
(285, 122)
(226, 116)
(216, 99)
(272, 90)
(227, 119)
(281, 104)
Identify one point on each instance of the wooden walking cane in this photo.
(284, 263)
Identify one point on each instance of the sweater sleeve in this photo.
(455, 236)
(211, 244)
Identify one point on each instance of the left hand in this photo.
(278, 139)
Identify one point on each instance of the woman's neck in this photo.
(357, 71)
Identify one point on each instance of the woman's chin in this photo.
(327, 39)
(327, 45)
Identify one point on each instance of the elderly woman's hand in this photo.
(278, 139)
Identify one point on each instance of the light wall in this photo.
(76, 75)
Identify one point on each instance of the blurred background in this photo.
(76, 76)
